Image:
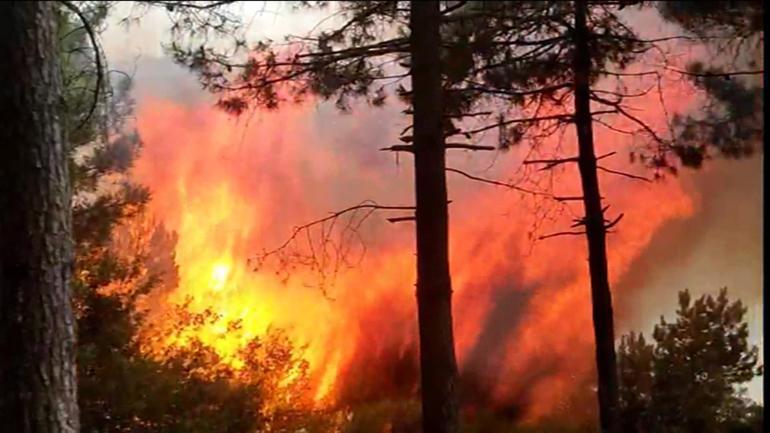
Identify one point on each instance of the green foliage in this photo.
(514, 57)
(731, 121)
(518, 58)
(690, 378)
(731, 19)
(123, 262)
(188, 389)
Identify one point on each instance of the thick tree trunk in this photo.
(434, 286)
(37, 368)
(596, 232)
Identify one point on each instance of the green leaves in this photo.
(689, 378)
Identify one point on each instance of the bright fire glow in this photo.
(228, 190)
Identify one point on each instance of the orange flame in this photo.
(524, 316)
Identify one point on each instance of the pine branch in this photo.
(628, 115)
(398, 148)
(716, 74)
(497, 183)
(482, 89)
(553, 235)
(614, 222)
(551, 163)
(380, 48)
(170, 5)
(559, 117)
(622, 173)
(97, 59)
(410, 148)
(461, 115)
(474, 147)
(568, 198)
(395, 220)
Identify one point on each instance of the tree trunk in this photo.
(434, 286)
(37, 367)
(596, 232)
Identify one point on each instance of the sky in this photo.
(718, 244)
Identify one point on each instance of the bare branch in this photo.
(462, 115)
(97, 59)
(334, 215)
(553, 235)
(560, 117)
(622, 173)
(326, 254)
(627, 74)
(399, 148)
(568, 198)
(629, 116)
(468, 146)
(614, 222)
(409, 148)
(454, 7)
(497, 183)
(401, 219)
(551, 163)
(612, 128)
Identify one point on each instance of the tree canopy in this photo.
(692, 375)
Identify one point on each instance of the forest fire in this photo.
(522, 308)
(393, 217)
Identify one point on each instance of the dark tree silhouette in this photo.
(521, 54)
(689, 378)
(731, 121)
(438, 368)
(546, 54)
(341, 63)
(596, 228)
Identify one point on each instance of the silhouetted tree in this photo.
(548, 56)
(341, 64)
(524, 55)
(689, 379)
(541, 57)
(731, 121)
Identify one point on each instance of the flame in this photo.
(522, 309)
(219, 273)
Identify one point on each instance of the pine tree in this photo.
(342, 64)
(37, 335)
(731, 122)
(689, 379)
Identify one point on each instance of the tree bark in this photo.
(438, 366)
(596, 232)
(37, 367)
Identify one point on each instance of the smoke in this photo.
(718, 245)
(522, 308)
